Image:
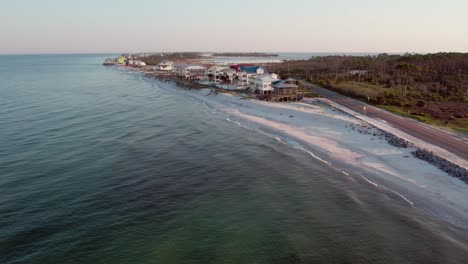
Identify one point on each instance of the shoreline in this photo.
(392, 169)
(451, 164)
(356, 147)
(444, 160)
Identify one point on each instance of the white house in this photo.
(178, 69)
(189, 72)
(166, 65)
(262, 84)
(195, 72)
(248, 72)
(214, 73)
(230, 75)
(140, 63)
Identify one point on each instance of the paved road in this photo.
(452, 143)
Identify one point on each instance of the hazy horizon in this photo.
(211, 52)
(298, 26)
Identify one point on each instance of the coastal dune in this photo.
(350, 145)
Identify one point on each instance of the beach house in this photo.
(286, 90)
(229, 76)
(214, 73)
(189, 72)
(245, 73)
(195, 72)
(177, 69)
(262, 84)
(139, 63)
(121, 60)
(166, 65)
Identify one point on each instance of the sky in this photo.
(115, 26)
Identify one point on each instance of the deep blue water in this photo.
(99, 165)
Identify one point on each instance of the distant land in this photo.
(244, 54)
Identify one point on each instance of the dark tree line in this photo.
(439, 76)
(155, 59)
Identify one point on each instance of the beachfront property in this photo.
(135, 63)
(115, 61)
(255, 79)
(262, 84)
(177, 69)
(214, 73)
(195, 72)
(286, 90)
(252, 79)
(166, 65)
(139, 63)
(229, 76)
(245, 73)
(240, 76)
(189, 72)
(121, 60)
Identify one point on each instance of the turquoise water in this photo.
(101, 165)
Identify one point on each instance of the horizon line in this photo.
(271, 52)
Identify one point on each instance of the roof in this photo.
(195, 67)
(251, 69)
(281, 84)
(228, 70)
(266, 77)
(218, 68)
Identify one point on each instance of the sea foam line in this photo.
(312, 154)
(315, 156)
(390, 190)
(298, 146)
(295, 145)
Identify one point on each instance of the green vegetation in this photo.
(460, 126)
(360, 89)
(432, 88)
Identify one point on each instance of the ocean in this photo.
(103, 165)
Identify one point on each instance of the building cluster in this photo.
(125, 60)
(251, 78)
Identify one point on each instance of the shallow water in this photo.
(100, 165)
